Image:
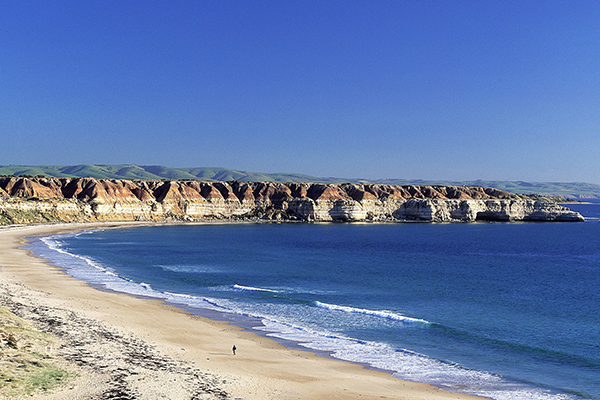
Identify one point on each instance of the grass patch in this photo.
(22, 376)
(47, 377)
(26, 361)
(9, 217)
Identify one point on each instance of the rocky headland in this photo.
(43, 199)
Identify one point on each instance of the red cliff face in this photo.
(90, 189)
(388, 192)
(272, 192)
(242, 191)
(118, 189)
(174, 191)
(358, 192)
(327, 192)
(24, 187)
(141, 191)
(209, 192)
(299, 190)
(226, 190)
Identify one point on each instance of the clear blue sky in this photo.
(457, 90)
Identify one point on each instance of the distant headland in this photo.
(25, 199)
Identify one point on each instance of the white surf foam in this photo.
(254, 289)
(189, 268)
(376, 313)
(408, 365)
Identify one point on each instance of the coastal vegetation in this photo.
(26, 362)
(16, 216)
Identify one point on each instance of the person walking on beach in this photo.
(234, 349)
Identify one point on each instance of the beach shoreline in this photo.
(144, 348)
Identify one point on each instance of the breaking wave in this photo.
(376, 313)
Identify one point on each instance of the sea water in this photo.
(502, 310)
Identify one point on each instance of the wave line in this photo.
(376, 313)
(254, 289)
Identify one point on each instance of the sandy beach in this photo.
(122, 347)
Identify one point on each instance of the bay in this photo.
(502, 310)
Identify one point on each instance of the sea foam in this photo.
(254, 289)
(376, 313)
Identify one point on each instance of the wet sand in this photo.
(123, 347)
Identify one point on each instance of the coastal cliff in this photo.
(41, 199)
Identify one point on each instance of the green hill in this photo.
(571, 190)
(157, 172)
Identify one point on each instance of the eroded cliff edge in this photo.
(27, 200)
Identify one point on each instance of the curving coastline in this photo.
(26, 200)
(116, 345)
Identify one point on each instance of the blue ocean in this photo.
(501, 310)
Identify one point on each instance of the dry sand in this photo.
(123, 347)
